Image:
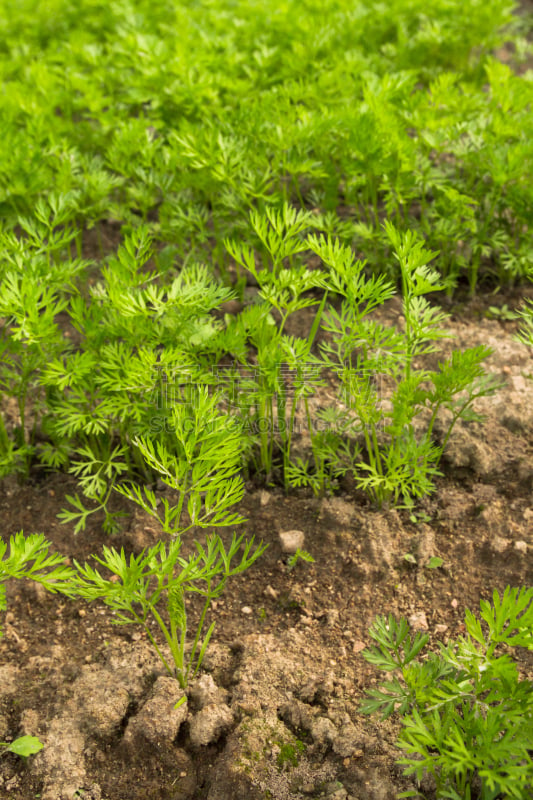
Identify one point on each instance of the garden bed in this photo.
(266, 261)
(285, 662)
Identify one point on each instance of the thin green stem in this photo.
(178, 652)
(199, 628)
(142, 621)
(264, 429)
(4, 438)
(319, 463)
(177, 655)
(156, 647)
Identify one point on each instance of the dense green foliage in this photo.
(189, 114)
(159, 160)
(156, 159)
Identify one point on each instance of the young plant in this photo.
(142, 339)
(22, 746)
(501, 312)
(333, 451)
(139, 588)
(287, 371)
(466, 712)
(31, 298)
(203, 473)
(299, 555)
(392, 401)
(202, 468)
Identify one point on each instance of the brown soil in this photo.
(285, 663)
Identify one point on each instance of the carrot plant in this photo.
(466, 712)
(525, 335)
(389, 403)
(384, 113)
(142, 338)
(202, 472)
(33, 293)
(382, 430)
(202, 467)
(284, 369)
(154, 585)
(139, 588)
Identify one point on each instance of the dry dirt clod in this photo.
(9, 677)
(158, 721)
(204, 691)
(210, 723)
(334, 791)
(466, 450)
(61, 763)
(97, 704)
(347, 742)
(323, 732)
(373, 784)
(341, 511)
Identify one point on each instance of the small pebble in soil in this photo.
(332, 616)
(291, 541)
(246, 610)
(418, 621)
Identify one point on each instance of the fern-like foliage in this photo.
(466, 712)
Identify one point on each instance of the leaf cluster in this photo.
(29, 557)
(466, 712)
(135, 588)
